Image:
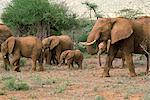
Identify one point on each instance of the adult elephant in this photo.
(5, 33)
(58, 44)
(29, 47)
(124, 35)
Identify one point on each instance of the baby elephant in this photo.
(71, 56)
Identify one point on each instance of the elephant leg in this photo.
(47, 59)
(123, 62)
(33, 64)
(79, 65)
(147, 67)
(58, 56)
(70, 63)
(129, 61)
(40, 60)
(17, 66)
(110, 57)
(15, 62)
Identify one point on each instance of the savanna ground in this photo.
(60, 83)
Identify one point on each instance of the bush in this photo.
(12, 84)
(22, 61)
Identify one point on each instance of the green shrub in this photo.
(12, 84)
(83, 37)
(7, 67)
(61, 87)
(80, 47)
(22, 61)
(99, 97)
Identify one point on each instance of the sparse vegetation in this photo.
(22, 62)
(61, 87)
(11, 83)
(98, 97)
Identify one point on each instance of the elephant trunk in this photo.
(6, 62)
(99, 57)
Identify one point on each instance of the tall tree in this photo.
(38, 17)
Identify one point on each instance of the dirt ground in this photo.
(60, 83)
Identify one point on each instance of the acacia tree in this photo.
(92, 6)
(38, 17)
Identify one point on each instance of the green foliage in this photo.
(22, 61)
(7, 67)
(29, 15)
(99, 97)
(12, 84)
(83, 37)
(62, 87)
(129, 13)
(80, 47)
(13, 98)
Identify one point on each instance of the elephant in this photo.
(58, 44)
(5, 32)
(71, 56)
(29, 47)
(125, 35)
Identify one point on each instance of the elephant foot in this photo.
(146, 73)
(133, 74)
(34, 69)
(105, 74)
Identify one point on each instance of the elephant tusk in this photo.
(85, 43)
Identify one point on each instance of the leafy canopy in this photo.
(29, 13)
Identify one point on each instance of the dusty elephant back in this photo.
(143, 19)
(78, 55)
(66, 42)
(30, 42)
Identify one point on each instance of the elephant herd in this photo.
(119, 37)
(59, 49)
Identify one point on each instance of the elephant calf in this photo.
(29, 47)
(104, 47)
(71, 56)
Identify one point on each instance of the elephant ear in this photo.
(54, 42)
(11, 44)
(122, 29)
